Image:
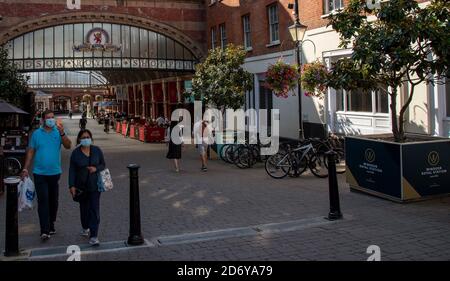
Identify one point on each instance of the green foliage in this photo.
(282, 78)
(13, 86)
(400, 43)
(220, 79)
(313, 75)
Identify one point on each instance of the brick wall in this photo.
(185, 15)
(230, 12)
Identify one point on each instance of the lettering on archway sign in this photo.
(98, 40)
(74, 4)
(90, 63)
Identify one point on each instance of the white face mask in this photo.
(86, 142)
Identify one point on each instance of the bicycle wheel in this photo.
(229, 154)
(255, 155)
(222, 151)
(243, 157)
(278, 166)
(318, 166)
(299, 166)
(13, 167)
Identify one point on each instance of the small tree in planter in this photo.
(221, 80)
(404, 44)
(13, 86)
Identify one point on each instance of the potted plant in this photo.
(312, 78)
(282, 78)
(221, 80)
(405, 44)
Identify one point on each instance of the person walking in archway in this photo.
(86, 162)
(83, 123)
(45, 152)
(175, 143)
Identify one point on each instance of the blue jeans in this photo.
(47, 191)
(90, 212)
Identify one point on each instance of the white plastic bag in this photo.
(27, 193)
(104, 181)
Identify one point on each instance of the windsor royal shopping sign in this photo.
(97, 44)
(398, 171)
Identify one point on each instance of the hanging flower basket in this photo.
(282, 78)
(313, 77)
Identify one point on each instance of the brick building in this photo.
(139, 52)
(262, 27)
(147, 50)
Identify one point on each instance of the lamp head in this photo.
(297, 31)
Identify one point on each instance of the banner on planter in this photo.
(374, 165)
(398, 171)
(426, 169)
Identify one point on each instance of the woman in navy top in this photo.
(85, 163)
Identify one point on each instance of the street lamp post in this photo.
(298, 31)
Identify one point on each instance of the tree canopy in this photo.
(398, 42)
(13, 86)
(221, 79)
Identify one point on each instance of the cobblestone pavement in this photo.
(226, 197)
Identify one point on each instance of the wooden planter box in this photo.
(398, 171)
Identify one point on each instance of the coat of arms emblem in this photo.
(97, 39)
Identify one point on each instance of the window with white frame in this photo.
(332, 5)
(247, 31)
(273, 23)
(362, 101)
(213, 38)
(223, 36)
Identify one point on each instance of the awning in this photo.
(9, 108)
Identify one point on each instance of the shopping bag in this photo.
(27, 194)
(104, 181)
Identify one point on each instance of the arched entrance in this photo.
(147, 60)
(62, 104)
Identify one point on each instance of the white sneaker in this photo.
(45, 236)
(94, 241)
(85, 232)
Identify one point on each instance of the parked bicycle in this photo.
(242, 155)
(295, 161)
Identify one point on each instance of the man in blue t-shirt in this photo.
(45, 149)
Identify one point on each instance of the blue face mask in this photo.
(86, 142)
(51, 122)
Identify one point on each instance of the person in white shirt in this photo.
(201, 134)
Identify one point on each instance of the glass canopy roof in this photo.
(98, 46)
(81, 55)
(66, 79)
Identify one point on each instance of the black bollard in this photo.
(135, 238)
(335, 209)
(2, 161)
(12, 226)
